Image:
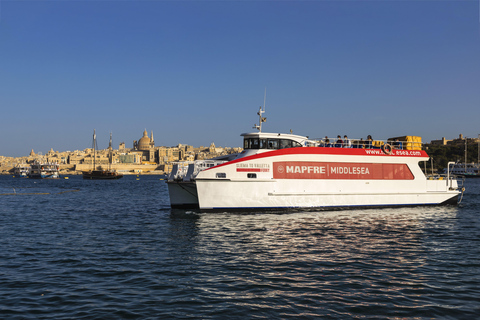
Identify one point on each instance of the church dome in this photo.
(144, 142)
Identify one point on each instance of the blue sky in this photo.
(194, 72)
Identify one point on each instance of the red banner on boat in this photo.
(340, 170)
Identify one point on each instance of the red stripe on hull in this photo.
(340, 170)
(329, 151)
(252, 170)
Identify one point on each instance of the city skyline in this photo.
(123, 145)
(195, 72)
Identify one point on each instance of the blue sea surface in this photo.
(83, 249)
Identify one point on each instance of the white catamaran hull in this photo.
(183, 194)
(242, 195)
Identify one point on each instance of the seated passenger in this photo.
(397, 144)
(369, 142)
(339, 143)
(327, 142)
(346, 142)
(360, 144)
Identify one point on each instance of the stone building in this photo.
(459, 141)
(145, 146)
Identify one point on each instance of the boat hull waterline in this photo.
(101, 175)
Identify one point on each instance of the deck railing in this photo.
(369, 144)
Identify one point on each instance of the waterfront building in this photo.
(147, 147)
(143, 153)
(133, 158)
(459, 141)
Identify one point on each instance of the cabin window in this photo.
(252, 175)
(272, 144)
(263, 144)
(220, 175)
(256, 143)
(285, 144)
(251, 143)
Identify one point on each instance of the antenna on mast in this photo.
(264, 99)
(260, 113)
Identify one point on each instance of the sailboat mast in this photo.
(110, 153)
(94, 149)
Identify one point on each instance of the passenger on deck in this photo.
(327, 142)
(347, 143)
(369, 143)
(361, 144)
(339, 143)
(397, 144)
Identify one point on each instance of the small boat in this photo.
(44, 170)
(21, 170)
(277, 171)
(468, 170)
(101, 174)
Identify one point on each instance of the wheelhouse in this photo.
(272, 141)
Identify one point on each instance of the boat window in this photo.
(272, 144)
(256, 143)
(251, 143)
(252, 175)
(263, 144)
(221, 175)
(285, 144)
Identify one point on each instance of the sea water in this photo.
(83, 249)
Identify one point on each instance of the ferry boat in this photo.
(277, 171)
(44, 170)
(468, 170)
(21, 170)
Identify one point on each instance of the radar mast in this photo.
(260, 113)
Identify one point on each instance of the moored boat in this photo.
(101, 174)
(285, 171)
(468, 170)
(44, 170)
(465, 169)
(21, 170)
